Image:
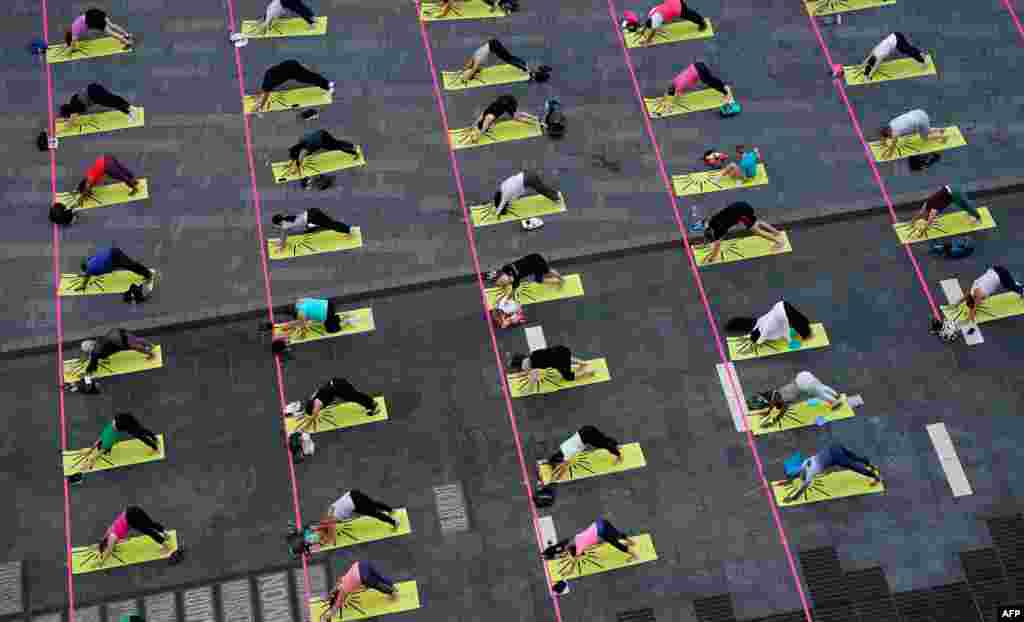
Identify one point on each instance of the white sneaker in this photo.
(330, 87)
(531, 224)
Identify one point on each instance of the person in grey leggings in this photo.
(277, 9)
(805, 386)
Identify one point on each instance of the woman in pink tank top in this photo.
(661, 15)
(95, 19)
(685, 81)
(133, 517)
(358, 575)
(599, 531)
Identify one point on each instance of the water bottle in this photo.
(696, 224)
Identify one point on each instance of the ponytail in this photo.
(67, 37)
(740, 325)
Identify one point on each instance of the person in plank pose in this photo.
(106, 166)
(475, 64)
(116, 340)
(993, 281)
(805, 386)
(307, 221)
(107, 260)
(95, 19)
(359, 575)
(533, 266)
(345, 507)
(503, 105)
(687, 80)
(283, 72)
(745, 166)
(772, 326)
(309, 310)
(334, 390)
(661, 15)
(892, 43)
(555, 357)
(913, 122)
(133, 517)
(599, 531)
(121, 428)
(587, 436)
(738, 213)
(506, 6)
(939, 201)
(318, 141)
(277, 9)
(516, 186)
(835, 456)
(94, 95)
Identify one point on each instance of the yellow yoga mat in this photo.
(954, 223)
(602, 558)
(469, 9)
(89, 48)
(526, 207)
(286, 27)
(829, 7)
(368, 603)
(359, 321)
(323, 162)
(834, 485)
(694, 101)
(898, 69)
(338, 416)
(488, 76)
(595, 462)
(314, 243)
(672, 33)
(99, 122)
(741, 348)
(116, 282)
(530, 292)
(740, 249)
(293, 99)
(1000, 306)
(119, 363)
(500, 132)
(552, 381)
(799, 415)
(105, 196)
(704, 182)
(367, 529)
(907, 146)
(135, 550)
(125, 453)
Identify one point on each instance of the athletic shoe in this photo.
(703, 26)
(330, 87)
(77, 478)
(531, 224)
(373, 411)
(131, 115)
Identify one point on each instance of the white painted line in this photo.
(737, 404)
(535, 338)
(547, 530)
(949, 460)
(951, 288)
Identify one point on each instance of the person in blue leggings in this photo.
(835, 456)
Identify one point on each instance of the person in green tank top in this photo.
(123, 427)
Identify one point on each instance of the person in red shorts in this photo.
(663, 14)
(106, 166)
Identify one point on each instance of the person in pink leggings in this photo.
(665, 13)
(598, 532)
(359, 575)
(95, 19)
(687, 80)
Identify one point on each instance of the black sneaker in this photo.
(703, 25)
(77, 478)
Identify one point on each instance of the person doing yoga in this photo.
(587, 436)
(502, 106)
(804, 387)
(516, 186)
(599, 531)
(772, 326)
(309, 310)
(348, 505)
(913, 122)
(687, 80)
(95, 19)
(661, 15)
(116, 340)
(283, 72)
(307, 221)
(739, 213)
(892, 43)
(133, 517)
(993, 281)
(107, 260)
(318, 141)
(337, 390)
(106, 166)
(939, 201)
(555, 357)
(278, 8)
(94, 95)
(511, 275)
(359, 575)
(122, 427)
(475, 64)
(835, 456)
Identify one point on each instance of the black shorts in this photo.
(96, 19)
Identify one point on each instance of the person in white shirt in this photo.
(307, 221)
(587, 436)
(516, 186)
(994, 280)
(482, 55)
(772, 326)
(913, 122)
(277, 9)
(345, 507)
(892, 43)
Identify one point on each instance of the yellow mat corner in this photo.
(954, 223)
(461, 9)
(292, 99)
(833, 485)
(703, 182)
(672, 33)
(338, 416)
(488, 76)
(602, 558)
(907, 146)
(362, 529)
(998, 307)
(552, 381)
(284, 27)
(520, 209)
(899, 69)
(87, 48)
(137, 550)
(530, 292)
(317, 164)
(694, 101)
(361, 322)
(116, 282)
(741, 348)
(740, 249)
(126, 362)
(595, 462)
(368, 603)
(315, 243)
(106, 196)
(99, 122)
(799, 415)
(125, 453)
(500, 132)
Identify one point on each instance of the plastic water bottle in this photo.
(696, 224)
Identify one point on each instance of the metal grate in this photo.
(198, 605)
(869, 592)
(451, 508)
(11, 589)
(824, 577)
(1008, 537)
(317, 586)
(161, 608)
(836, 613)
(985, 577)
(916, 606)
(637, 615)
(89, 614)
(954, 601)
(792, 616)
(715, 609)
(275, 599)
(236, 601)
(116, 611)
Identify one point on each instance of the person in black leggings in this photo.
(599, 531)
(318, 140)
(94, 95)
(133, 517)
(533, 266)
(894, 42)
(122, 427)
(285, 71)
(503, 105)
(586, 436)
(476, 62)
(556, 357)
(338, 390)
(349, 504)
(305, 222)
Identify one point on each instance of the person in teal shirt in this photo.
(746, 163)
(307, 310)
(123, 427)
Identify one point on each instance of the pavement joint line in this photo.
(737, 403)
(953, 292)
(949, 460)
(535, 339)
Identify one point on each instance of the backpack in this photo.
(37, 47)
(919, 162)
(945, 330)
(297, 544)
(554, 119)
(42, 142)
(730, 109)
(301, 445)
(61, 214)
(541, 74)
(954, 249)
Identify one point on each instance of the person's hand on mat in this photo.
(394, 593)
(559, 470)
(617, 459)
(133, 189)
(534, 376)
